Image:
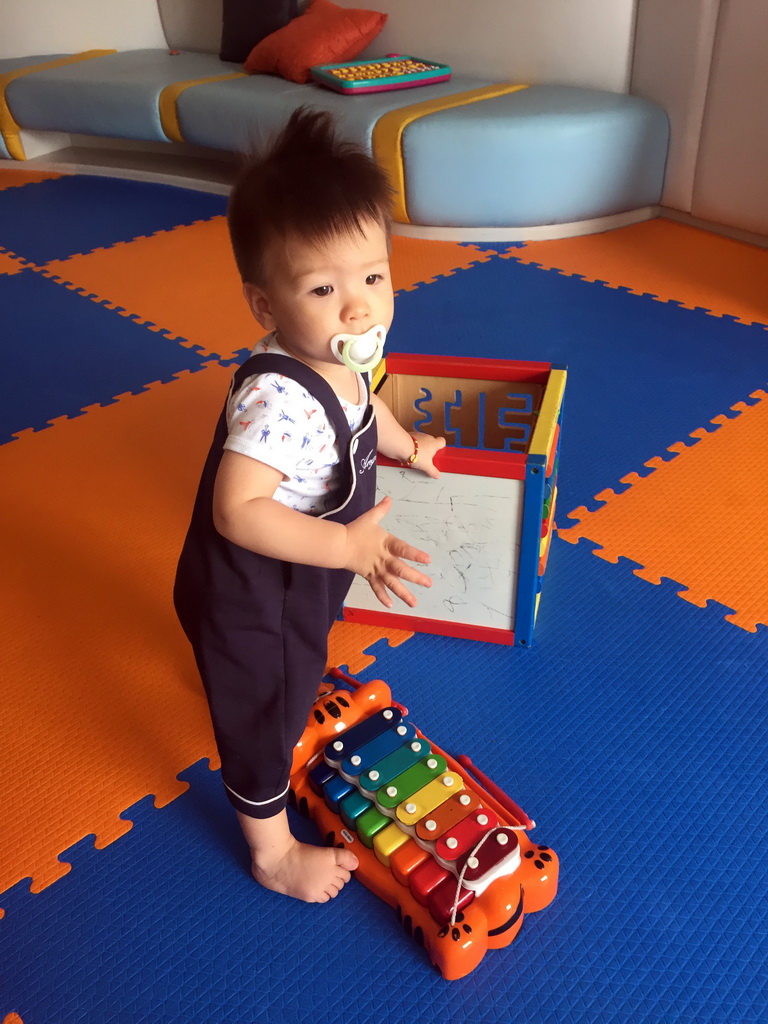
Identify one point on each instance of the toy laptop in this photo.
(395, 71)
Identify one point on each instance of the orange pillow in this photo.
(324, 34)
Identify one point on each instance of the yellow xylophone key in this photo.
(426, 799)
(386, 842)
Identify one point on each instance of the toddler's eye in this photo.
(323, 290)
(374, 278)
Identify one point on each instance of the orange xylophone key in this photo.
(404, 861)
(448, 814)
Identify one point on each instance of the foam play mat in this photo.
(633, 731)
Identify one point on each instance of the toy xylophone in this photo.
(449, 856)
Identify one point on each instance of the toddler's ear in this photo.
(259, 304)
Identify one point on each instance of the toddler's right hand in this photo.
(378, 556)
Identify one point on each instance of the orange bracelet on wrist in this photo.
(413, 458)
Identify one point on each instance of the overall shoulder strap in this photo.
(312, 382)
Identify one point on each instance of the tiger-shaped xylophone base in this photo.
(457, 942)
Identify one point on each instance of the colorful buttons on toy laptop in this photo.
(448, 814)
(366, 756)
(347, 742)
(394, 764)
(387, 841)
(403, 786)
(426, 799)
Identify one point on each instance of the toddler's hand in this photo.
(378, 556)
(428, 447)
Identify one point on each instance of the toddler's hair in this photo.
(309, 184)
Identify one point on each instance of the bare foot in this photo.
(314, 874)
(279, 862)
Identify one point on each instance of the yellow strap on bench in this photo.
(388, 134)
(9, 128)
(169, 115)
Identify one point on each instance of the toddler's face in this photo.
(313, 293)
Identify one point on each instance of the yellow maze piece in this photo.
(698, 519)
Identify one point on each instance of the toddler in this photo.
(285, 513)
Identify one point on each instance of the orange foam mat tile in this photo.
(11, 264)
(12, 178)
(416, 261)
(102, 700)
(348, 642)
(698, 519)
(185, 281)
(103, 703)
(671, 261)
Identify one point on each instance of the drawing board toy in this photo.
(395, 71)
(450, 857)
(487, 521)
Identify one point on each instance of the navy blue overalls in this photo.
(258, 626)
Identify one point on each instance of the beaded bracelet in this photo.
(413, 458)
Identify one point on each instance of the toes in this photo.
(346, 859)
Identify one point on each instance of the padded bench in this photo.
(468, 152)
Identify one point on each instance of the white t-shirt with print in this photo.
(273, 419)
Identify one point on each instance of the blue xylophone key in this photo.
(335, 790)
(366, 756)
(319, 774)
(345, 745)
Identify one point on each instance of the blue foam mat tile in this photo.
(62, 352)
(61, 217)
(642, 374)
(166, 925)
(640, 755)
(633, 733)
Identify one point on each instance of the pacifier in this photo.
(360, 352)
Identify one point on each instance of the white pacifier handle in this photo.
(360, 352)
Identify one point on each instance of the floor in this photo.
(633, 732)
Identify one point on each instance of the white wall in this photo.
(731, 182)
(672, 62)
(572, 42)
(68, 26)
(704, 62)
(581, 42)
